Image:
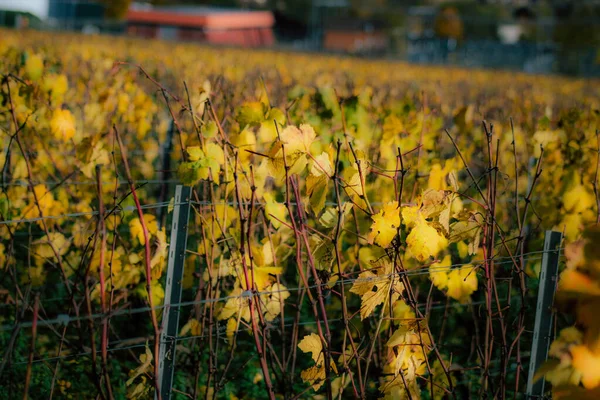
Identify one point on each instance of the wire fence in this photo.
(65, 319)
(219, 331)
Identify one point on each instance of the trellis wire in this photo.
(66, 319)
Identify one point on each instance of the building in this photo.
(355, 36)
(202, 24)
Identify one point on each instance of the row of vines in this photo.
(359, 229)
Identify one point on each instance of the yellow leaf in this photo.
(316, 188)
(439, 274)
(402, 312)
(588, 364)
(297, 139)
(194, 153)
(385, 225)
(578, 199)
(375, 289)
(232, 327)
(236, 303)
(463, 249)
(354, 187)
(34, 67)
(136, 230)
(273, 301)
(192, 327)
(146, 365)
(578, 282)
(250, 113)
(57, 85)
(263, 276)
(158, 294)
(424, 241)
(139, 391)
(276, 212)
(312, 344)
(437, 177)
(159, 258)
(245, 140)
(62, 125)
(314, 375)
(58, 240)
(409, 215)
(462, 282)
(322, 165)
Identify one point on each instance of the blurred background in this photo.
(536, 36)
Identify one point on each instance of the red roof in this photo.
(220, 19)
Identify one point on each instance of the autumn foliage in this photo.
(359, 229)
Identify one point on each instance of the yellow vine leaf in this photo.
(276, 212)
(437, 177)
(439, 274)
(425, 241)
(90, 155)
(329, 218)
(236, 303)
(34, 67)
(139, 391)
(322, 165)
(375, 289)
(146, 365)
(273, 300)
(385, 225)
(297, 139)
(44, 249)
(312, 344)
(316, 188)
(578, 198)
(561, 373)
(157, 263)
(410, 215)
(57, 85)
(573, 281)
(411, 343)
(462, 282)
(587, 364)
(135, 227)
(263, 276)
(62, 125)
(141, 388)
(192, 327)
(158, 294)
(250, 113)
(245, 140)
(232, 327)
(295, 143)
(315, 375)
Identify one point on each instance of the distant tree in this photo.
(577, 33)
(116, 9)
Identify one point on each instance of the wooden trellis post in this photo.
(542, 331)
(177, 247)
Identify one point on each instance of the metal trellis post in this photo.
(542, 332)
(177, 247)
